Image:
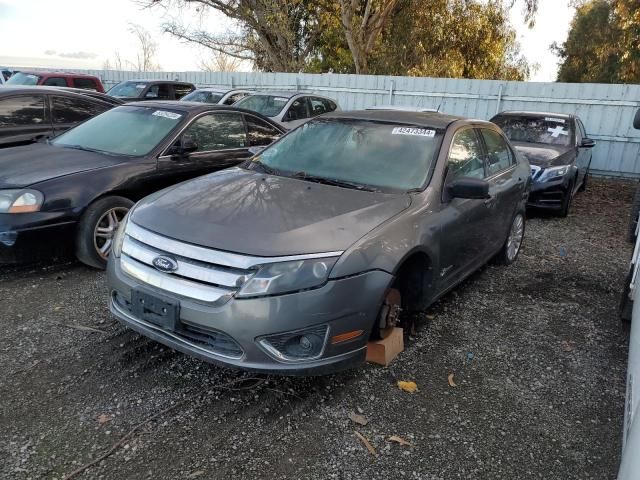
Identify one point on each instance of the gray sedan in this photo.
(333, 235)
(289, 109)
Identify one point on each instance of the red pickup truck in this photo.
(56, 79)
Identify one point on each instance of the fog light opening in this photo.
(299, 345)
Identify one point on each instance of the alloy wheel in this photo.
(106, 229)
(515, 237)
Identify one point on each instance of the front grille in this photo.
(196, 278)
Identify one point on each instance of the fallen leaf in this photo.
(567, 346)
(366, 443)
(400, 440)
(57, 307)
(451, 382)
(102, 419)
(196, 474)
(359, 419)
(410, 387)
(430, 317)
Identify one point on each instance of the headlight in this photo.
(287, 277)
(118, 238)
(553, 172)
(20, 201)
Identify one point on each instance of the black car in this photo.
(74, 190)
(138, 90)
(559, 151)
(30, 114)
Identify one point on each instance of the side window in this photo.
(234, 98)
(260, 132)
(318, 106)
(24, 110)
(160, 91)
(86, 83)
(329, 105)
(75, 110)
(465, 156)
(182, 90)
(218, 131)
(298, 110)
(499, 155)
(55, 82)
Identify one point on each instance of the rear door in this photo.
(222, 142)
(24, 119)
(298, 113)
(260, 132)
(465, 239)
(55, 82)
(181, 89)
(67, 112)
(505, 185)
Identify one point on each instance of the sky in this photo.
(86, 33)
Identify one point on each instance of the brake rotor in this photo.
(390, 313)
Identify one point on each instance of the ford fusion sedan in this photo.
(290, 262)
(559, 151)
(289, 109)
(74, 190)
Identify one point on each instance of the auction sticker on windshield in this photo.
(165, 114)
(420, 132)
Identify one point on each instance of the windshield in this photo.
(125, 130)
(127, 89)
(21, 78)
(374, 154)
(267, 105)
(549, 130)
(202, 96)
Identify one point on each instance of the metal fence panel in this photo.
(606, 110)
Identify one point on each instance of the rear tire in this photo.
(633, 219)
(511, 248)
(97, 227)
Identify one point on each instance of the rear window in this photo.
(550, 130)
(202, 96)
(128, 89)
(267, 105)
(182, 90)
(85, 83)
(21, 78)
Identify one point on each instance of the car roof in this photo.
(402, 108)
(423, 119)
(58, 74)
(9, 89)
(192, 107)
(142, 80)
(516, 113)
(221, 89)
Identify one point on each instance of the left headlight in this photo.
(20, 201)
(286, 277)
(118, 237)
(553, 172)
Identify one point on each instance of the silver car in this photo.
(344, 227)
(289, 109)
(219, 96)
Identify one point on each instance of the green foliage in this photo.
(603, 44)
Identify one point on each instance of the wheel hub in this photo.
(390, 312)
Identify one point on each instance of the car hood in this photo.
(543, 155)
(255, 214)
(31, 164)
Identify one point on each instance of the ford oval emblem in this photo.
(165, 263)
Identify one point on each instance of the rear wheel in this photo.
(512, 244)
(97, 228)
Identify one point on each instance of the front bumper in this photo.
(343, 305)
(32, 236)
(549, 195)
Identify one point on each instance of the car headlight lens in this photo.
(284, 277)
(118, 238)
(553, 172)
(20, 201)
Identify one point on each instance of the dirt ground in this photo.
(537, 352)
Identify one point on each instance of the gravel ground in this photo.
(537, 352)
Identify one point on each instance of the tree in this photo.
(277, 35)
(147, 49)
(220, 62)
(603, 44)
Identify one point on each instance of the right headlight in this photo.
(552, 173)
(20, 201)
(285, 277)
(118, 238)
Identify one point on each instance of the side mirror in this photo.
(636, 120)
(255, 150)
(588, 143)
(468, 187)
(184, 146)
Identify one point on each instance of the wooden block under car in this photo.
(384, 351)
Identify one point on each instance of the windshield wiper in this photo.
(333, 181)
(87, 149)
(264, 167)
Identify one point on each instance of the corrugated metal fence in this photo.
(606, 110)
